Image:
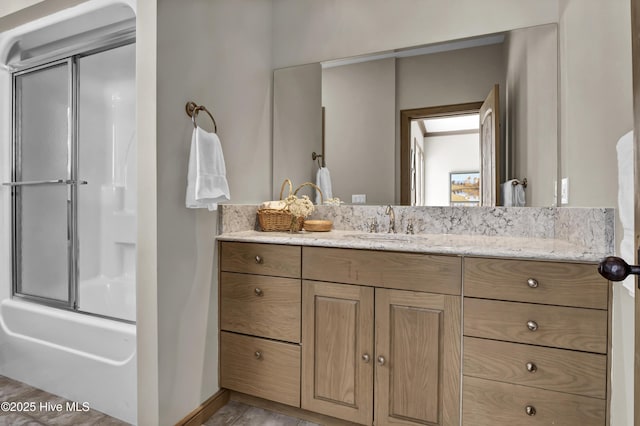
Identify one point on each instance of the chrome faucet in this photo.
(392, 219)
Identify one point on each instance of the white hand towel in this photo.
(508, 193)
(513, 195)
(206, 178)
(520, 199)
(625, 204)
(323, 180)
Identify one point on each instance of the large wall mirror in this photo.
(404, 127)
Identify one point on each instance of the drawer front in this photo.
(553, 283)
(488, 403)
(561, 327)
(553, 369)
(262, 306)
(260, 367)
(262, 259)
(405, 271)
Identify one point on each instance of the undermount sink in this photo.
(384, 237)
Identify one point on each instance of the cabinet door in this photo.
(337, 350)
(417, 358)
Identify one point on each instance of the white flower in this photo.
(299, 207)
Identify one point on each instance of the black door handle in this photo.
(616, 269)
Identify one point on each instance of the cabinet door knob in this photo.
(258, 354)
(259, 260)
(381, 360)
(258, 292)
(366, 358)
(532, 325)
(531, 367)
(532, 282)
(530, 410)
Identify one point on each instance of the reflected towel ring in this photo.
(192, 111)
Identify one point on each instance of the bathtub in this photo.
(111, 297)
(76, 356)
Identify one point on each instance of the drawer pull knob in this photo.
(532, 282)
(532, 325)
(259, 260)
(531, 367)
(366, 358)
(258, 292)
(530, 410)
(381, 360)
(258, 355)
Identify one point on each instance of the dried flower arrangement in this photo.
(291, 216)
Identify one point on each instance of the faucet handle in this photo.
(410, 227)
(373, 225)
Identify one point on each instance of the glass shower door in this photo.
(42, 189)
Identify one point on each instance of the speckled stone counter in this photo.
(572, 234)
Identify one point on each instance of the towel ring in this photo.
(192, 111)
(518, 182)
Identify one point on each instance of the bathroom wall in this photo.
(531, 61)
(446, 154)
(596, 110)
(359, 101)
(216, 53)
(297, 124)
(17, 12)
(596, 96)
(343, 28)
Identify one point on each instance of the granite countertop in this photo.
(451, 244)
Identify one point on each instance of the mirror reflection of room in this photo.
(372, 157)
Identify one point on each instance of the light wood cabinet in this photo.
(415, 359)
(536, 343)
(390, 338)
(337, 351)
(260, 308)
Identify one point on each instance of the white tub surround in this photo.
(580, 234)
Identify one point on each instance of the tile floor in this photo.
(238, 414)
(15, 396)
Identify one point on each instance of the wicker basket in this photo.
(280, 219)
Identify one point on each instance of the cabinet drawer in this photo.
(262, 306)
(405, 271)
(263, 259)
(562, 327)
(568, 284)
(488, 403)
(260, 367)
(547, 368)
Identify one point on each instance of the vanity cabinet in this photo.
(260, 308)
(381, 336)
(536, 343)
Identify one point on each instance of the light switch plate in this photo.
(564, 196)
(358, 198)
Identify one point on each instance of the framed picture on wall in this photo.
(464, 188)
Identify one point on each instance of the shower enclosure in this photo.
(73, 201)
(68, 205)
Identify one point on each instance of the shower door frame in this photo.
(71, 180)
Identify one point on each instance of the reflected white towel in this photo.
(206, 178)
(323, 180)
(513, 195)
(625, 204)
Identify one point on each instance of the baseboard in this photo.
(207, 409)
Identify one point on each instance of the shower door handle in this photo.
(47, 182)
